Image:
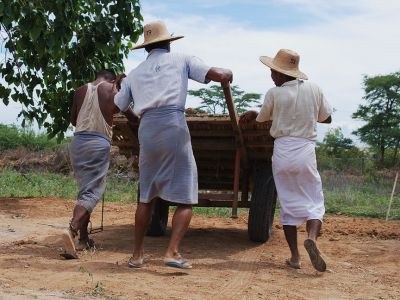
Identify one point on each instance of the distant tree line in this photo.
(380, 113)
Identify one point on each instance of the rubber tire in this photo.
(159, 219)
(262, 205)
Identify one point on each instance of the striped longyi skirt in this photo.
(167, 168)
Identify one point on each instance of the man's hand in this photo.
(117, 82)
(248, 116)
(220, 75)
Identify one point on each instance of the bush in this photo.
(12, 137)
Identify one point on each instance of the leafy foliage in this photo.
(336, 152)
(13, 137)
(335, 143)
(213, 99)
(53, 47)
(381, 114)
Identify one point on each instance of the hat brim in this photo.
(161, 39)
(268, 61)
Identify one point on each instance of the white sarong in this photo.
(297, 180)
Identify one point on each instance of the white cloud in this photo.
(345, 40)
(335, 53)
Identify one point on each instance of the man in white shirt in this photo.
(295, 107)
(167, 169)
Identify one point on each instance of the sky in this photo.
(338, 41)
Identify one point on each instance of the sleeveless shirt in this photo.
(90, 117)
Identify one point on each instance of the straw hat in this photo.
(156, 32)
(285, 61)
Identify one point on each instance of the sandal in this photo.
(69, 245)
(179, 263)
(315, 256)
(136, 264)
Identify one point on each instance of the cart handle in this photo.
(235, 122)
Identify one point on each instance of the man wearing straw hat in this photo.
(167, 169)
(295, 106)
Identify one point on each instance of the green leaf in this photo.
(62, 35)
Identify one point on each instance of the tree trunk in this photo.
(382, 152)
(396, 148)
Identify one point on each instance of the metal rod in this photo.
(102, 212)
(391, 196)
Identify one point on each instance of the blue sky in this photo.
(338, 41)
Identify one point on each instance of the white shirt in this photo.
(161, 80)
(294, 108)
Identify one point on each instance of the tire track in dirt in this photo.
(245, 271)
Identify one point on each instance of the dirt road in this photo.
(362, 255)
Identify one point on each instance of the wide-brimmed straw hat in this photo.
(285, 61)
(156, 32)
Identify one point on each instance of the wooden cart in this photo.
(233, 161)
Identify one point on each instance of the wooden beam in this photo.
(235, 122)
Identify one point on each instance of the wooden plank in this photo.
(215, 145)
(213, 133)
(213, 196)
(218, 203)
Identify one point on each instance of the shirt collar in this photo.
(292, 82)
(157, 51)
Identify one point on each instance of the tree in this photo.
(334, 142)
(52, 47)
(213, 99)
(381, 114)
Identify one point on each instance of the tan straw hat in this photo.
(285, 61)
(156, 32)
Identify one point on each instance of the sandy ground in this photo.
(362, 256)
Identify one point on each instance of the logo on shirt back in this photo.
(157, 68)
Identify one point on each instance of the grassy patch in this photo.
(13, 184)
(350, 195)
(360, 195)
(218, 211)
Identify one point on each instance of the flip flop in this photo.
(68, 256)
(135, 265)
(177, 263)
(292, 264)
(315, 256)
(69, 245)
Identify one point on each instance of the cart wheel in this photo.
(262, 206)
(159, 219)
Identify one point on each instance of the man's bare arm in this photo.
(220, 75)
(132, 118)
(327, 121)
(248, 116)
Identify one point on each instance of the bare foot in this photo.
(85, 244)
(293, 264)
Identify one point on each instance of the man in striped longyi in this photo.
(167, 169)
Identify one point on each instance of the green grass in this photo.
(360, 195)
(13, 184)
(349, 195)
